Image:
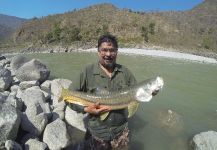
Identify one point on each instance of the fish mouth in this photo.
(160, 82)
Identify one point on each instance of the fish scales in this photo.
(128, 98)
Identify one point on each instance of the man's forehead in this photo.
(106, 44)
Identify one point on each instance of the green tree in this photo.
(56, 32)
(152, 28)
(145, 33)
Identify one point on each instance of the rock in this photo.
(170, 121)
(34, 120)
(46, 86)
(55, 135)
(34, 144)
(17, 103)
(14, 88)
(5, 63)
(17, 62)
(46, 89)
(32, 70)
(34, 96)
(37, 111)
(56, 88)
(5, 79)
(205, 141)
(27, 137)
(3, 97)
(2, 57)
(9, 122)
(12, 145)
(75, 119)
(59, 111)
(27, 84)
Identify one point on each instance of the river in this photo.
(186, 106)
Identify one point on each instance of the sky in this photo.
(39, 8)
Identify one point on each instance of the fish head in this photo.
(148, 89)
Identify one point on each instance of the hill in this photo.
(193, 30)
(8, 25)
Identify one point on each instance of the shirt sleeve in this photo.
(131, 80)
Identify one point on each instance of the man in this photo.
(106, 74)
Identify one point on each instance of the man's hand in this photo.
(96, 109)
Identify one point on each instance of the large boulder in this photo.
(9, 122)
(5, 79)
(75, 119)
(34, 96)
(29, 70)
(56, 88)
(17, 62)
(205, 141)
(34, 120)
(37, 111)
(56, 135)
(33, 70)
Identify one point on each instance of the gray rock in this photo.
(5, 79)
(18, 61)
(37, 112)
(3, 97)
(34, 144)
(46, 86)
(5, 63)
(2, 57)
(56, 88)
(27, 84)
(19, 93)
(9, 122)
(34, 96)
(34, 120)
(12, 145)
(55, 135)
(27, 137)
(170, 121)
(32, 70)
(59, 111)
(16, 102)
(75, 119)
(205, 141)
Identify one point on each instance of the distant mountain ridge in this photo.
(195, 29)
(9, 24)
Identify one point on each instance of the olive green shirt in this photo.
(93, 78)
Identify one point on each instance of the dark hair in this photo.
(108, 38)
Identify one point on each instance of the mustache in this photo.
(108, 58)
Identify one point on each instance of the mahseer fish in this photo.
(127, 98)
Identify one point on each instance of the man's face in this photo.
(107, 55)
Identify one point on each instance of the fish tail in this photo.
(63, 94)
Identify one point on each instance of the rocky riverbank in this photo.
(30, 115)
(32, 118)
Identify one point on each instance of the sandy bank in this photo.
(161, 53)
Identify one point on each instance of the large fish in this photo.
(127, 98)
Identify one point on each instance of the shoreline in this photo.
(162, 53)
(142, 52)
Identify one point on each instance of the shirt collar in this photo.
(98, 70)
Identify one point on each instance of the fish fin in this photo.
(132, 108)
(104, 115)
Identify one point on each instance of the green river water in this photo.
(190, 92)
